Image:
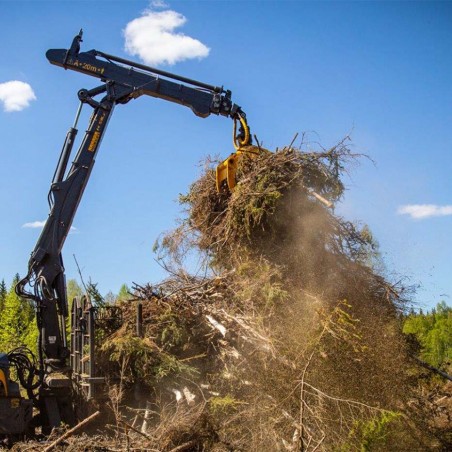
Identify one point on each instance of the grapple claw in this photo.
(226, 170)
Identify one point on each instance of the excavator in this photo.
(63, 366)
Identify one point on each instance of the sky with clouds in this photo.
(378, 71)
(16, 95)
(155, 38)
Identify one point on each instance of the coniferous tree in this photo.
(3, 293)
(96, 298)
(124, 293)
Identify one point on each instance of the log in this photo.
(71, 431)
(136, 430)
(184, 446)
(432, 368)
(147, 417)
(320, 198)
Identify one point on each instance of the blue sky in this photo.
(380, 71)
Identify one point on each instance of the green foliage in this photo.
(142, 361)
(343, 327)
(96, 298)
(73, 290)
(18, 322)
(3, 293)
(264, 284)
(275, 293)
(370, 435)
(124, 293)
(172, 334)
(433, 330)
(128, 345)
(31, 335)
(221, 405)
(170, 365)
(375, 431)
(136, 354)
(257, 209)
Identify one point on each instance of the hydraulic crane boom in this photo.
(137, 80)
(122, 80)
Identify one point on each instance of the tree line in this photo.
(431, 333)
(17, 319)
(18, 315)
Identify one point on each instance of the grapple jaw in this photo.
(227, 169)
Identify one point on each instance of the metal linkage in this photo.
(83, 350)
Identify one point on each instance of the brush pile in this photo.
(286, 337)
(290, 339)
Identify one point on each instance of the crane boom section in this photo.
(203, 99)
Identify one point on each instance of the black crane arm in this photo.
(202, 98)
(122, 80)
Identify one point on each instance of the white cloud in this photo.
(16, 95)
(153, 38)
(159, 4)
(41, 224)
(34, 224)
(421, 211)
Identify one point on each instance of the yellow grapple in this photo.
(226, 170)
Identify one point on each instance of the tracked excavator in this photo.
(63, 366)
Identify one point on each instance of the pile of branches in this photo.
(286, 337)
(282, 210)
(254, 215)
